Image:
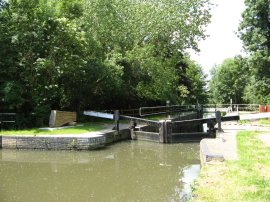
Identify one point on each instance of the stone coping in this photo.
(59, 128)
(86, 135)
(53, 142)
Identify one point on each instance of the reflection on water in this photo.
(128, 171)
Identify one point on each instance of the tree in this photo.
(104, 54)
(149, 39)
(229, 81)
(254, 30)
(196, 83)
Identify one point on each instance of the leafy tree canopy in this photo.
(108, 54)
(228, 81)
(254, 30)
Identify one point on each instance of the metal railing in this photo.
(178, 109)
(233, 107)
(148, 111)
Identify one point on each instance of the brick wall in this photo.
(264, 108)
(53, 143)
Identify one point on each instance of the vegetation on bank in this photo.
(79, 129)
(263, 122)
(247, 179)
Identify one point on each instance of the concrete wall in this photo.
(60, 118)
(207, 156)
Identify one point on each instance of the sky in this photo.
(222, 42)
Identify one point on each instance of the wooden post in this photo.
(169, 131)
(218, 118)
(199, 111)
(162, 132)
(116, 120)
(1, 121)
(132, 128)
(168, 109)
(211, 129)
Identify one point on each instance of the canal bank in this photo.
(224, 147)
(235, 165)
(86, 141)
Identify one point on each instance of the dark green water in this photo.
(127, 171)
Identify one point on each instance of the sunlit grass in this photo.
(157, 117)
(261, 122)
(265, 121)
(247, 179)
(244, 122)
(80, 129)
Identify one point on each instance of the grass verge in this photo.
(157, 117)
(247, 179)
(80, 129)
(265, 122)
(244, 122)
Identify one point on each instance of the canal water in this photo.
(126, 171)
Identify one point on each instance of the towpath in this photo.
(224, 147)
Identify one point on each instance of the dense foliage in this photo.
(228, 81)
(247, 80)
(102, 54)
(255, 34)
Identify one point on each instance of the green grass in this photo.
(87, 127)
(244, 122)
(261, 122)
(265, 121)
(156, 117)
(247, 179)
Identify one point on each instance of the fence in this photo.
(170, 110)
(232, 107)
